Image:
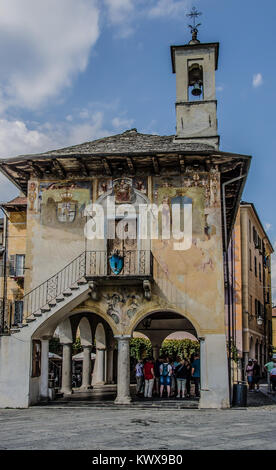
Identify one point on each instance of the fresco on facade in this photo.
(168, 191)
(63, 204)
(33, 197)
(141, 184)
(104, 185)
(123, 191)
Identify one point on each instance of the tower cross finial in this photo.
(194, 27)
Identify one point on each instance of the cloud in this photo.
(125, 14)
(268, 226)
(121, 13)
(257, 80)
(165, 8)
(43, 45)
(118, 10)
(121, 123)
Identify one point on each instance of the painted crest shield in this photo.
(116, 263)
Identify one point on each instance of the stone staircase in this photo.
(57, 292)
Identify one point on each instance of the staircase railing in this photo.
(49, 290)
(87, 264)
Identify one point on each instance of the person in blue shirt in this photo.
(196, 373)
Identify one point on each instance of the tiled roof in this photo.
(17, 201)
(128, 142)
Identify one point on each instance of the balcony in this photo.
(123, 267)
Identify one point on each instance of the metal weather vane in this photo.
(194, 28)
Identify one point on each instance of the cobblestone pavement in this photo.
(94, 428)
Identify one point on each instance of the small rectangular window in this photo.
(260, 272)
(255, 263)
(17, 265)
(36, 358)
(18, 311)
(250, 260)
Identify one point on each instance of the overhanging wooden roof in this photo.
(129, 154)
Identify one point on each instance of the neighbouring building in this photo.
(111, 287)
(13, 261)
(249, 311)
(274, 329)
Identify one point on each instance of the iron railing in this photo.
(135, 263)
(90, 264)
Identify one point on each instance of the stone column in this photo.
(155, 351)
(101, 366)
(214, 387)
(44, 387)
(66, 385)
(110, 354)
(86, 368)
(123, 373)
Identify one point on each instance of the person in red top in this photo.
(149, 377)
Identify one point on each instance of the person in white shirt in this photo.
(139, 372)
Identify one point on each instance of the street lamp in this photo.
(260, 320)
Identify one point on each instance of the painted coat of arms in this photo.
(123, 190)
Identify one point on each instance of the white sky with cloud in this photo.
(48, 43)
(257, 80)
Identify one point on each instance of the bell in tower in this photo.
(196, 107)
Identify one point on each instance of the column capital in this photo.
(123, 337)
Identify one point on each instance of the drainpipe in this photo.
(228, 276)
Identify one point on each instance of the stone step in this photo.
(30, 319)
(37, 314)
(45, 309)
(67, 293)
(14, 330)
(82, 282)
(74, 287)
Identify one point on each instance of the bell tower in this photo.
(196, 107)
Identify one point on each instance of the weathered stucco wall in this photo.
(189, 281)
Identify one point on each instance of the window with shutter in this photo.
(20, 264)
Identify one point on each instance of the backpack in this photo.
(165, 370)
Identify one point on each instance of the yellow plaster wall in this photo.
(190, 282)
